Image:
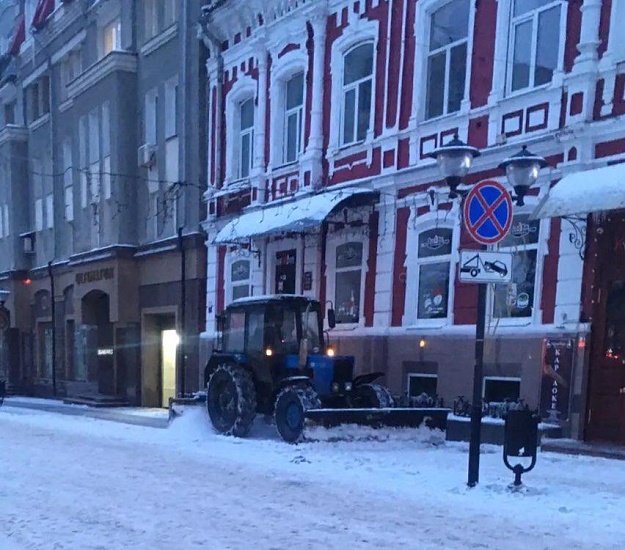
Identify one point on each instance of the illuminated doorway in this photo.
(169, 348)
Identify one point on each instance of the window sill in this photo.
(39, 122)
(426, 326)
(159, 40)
(345, 327)
(65, 105)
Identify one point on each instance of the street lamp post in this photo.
(454, 162)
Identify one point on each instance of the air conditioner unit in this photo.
(147, 155)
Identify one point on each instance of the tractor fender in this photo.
(217, 359)
(366, 378)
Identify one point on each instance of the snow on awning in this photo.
(288, 217)
(584, 192)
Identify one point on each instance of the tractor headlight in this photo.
(348, 386)
(331, 352)
(268, 352)
(336, 387)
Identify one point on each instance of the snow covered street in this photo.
(79, 483)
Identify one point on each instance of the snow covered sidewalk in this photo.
(79, 483)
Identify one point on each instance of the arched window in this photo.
(240, 279)
(293, 117)
(433, 268)
(357, 93)
(447, 58)
(534, 49)
(246, 138)
(348, 282)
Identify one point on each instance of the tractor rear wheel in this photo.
(290, 409)
(373, 396)
(231, 400)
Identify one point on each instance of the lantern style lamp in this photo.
(522, 172)
(454, 161)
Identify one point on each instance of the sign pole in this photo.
(476, 402)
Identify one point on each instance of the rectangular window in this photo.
(171, 107)
(357, 93)
(447, 58)
(111, 37)
(293, 117)
(106, 177)
(94, 182)
(106, 129)
(246, 138)
(38, 99)
(170, 15)
(255, 331)
(70, 70)
(7, 225)
(9, 113)
(151, 18)
(535, 42)
(69, 204)
(516, 299)
(434, 264)
(418, 384)
(151, 103)
(1, 222)
(83, 132)
(348, 282)
(49, 211)
(38, 214)
(94, 136)
(501, 390)
(240, 273)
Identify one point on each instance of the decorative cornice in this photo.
(13, 133)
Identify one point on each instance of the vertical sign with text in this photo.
(557, 371)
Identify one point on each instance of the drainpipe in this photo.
(182, 353)
(53, 312)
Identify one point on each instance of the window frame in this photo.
(425, 8)
(417, 225)
(447, 50)
(233, 258)
(334, 241)
(514, 22)
(541, 248)
(355, 87)
(245, 88)
(243, 133)
(114, 24)
(420, 375)
(298, 111)
(357, 32)
(499, 379)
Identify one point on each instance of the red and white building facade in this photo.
(321, 117)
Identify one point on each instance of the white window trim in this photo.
(542, 250)
(242, 133)
(282, 70)
(244, 88)
(232, 258)
(425, 8)
(502, 66)
(334, 240)
(357, 32)
(416, 225)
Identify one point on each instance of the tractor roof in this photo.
(271, 298)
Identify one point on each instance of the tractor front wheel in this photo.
(231, 400)
(290, 410)
(372, 396)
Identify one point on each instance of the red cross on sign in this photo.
(488, 212)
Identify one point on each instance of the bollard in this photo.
(520, 440)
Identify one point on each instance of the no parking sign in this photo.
(488, 212)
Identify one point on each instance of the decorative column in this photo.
(314, 150)
(260, 126)
(589, 36)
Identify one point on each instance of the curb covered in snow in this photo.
(133, 416)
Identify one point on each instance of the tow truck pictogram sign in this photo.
(477, 266)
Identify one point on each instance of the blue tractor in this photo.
(272, 357)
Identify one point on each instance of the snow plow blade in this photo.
(177, 404)
(408, 417)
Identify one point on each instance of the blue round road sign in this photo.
(488, 212)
